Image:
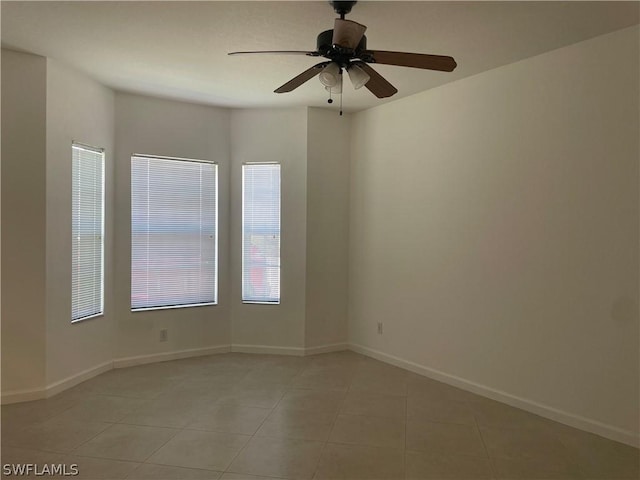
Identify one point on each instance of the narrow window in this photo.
(87, 230)
(174, 237)
(261, 233)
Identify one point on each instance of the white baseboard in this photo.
(296, 351)
(334, 347)
(55, 387)
(17, 396)
(73, 380)
(166, 356)
(573, 420)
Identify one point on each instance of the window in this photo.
(87, 231)
(261, 233)
(174, 238)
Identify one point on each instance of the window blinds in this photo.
(261, 233)
(87, 230)
(173, 232)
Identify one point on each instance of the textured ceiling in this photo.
(178, 49)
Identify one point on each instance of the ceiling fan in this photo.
(345, 47)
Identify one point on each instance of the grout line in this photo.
(333, 424)
(486, 450)
(246, 445)
(406, 427)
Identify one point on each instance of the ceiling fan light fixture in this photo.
(358, 76)
(337, 88)
(330, 74)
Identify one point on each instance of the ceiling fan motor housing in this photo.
(326, 49)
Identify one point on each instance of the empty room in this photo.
(320, 240)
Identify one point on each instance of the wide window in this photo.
(87, 230)
(261, 233)
(174, 237)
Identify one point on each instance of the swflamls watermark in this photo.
(39, 470)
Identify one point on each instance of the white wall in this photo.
(163, 127)
(271, 135)
(328, 136)
(494, 231)
(81, 110)
(23, 221)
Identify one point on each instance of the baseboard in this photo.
(334, 347)
(296, 351)
(576, 421)
(73, 380)
(166, 356)
(55, 387)
(17, 396)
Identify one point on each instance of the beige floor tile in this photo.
(164, 472)
(388, 384)
(173, 371)
(16, 458)
(436, 409)
(380, 369)
(278, 374)
(598, 457)
(490, 413)
(287, 423)
(200, 449)
(165, 412)
(230, 418)
(100, 468)
(278, 457)
(452, 438)
(323, 378)
(126, 442)
(370, 431)
(101, 408)
(244, 476)
(254, 395)
(441, 466)
(56, 435)
(374, 404)
(9, 454)
(357, 462)
(23, 414)
(534, 445)
(510, 469)
(423, 386)
(321, 401)
(303, 398)
(344, 359)
(125, 384)
(204, 392)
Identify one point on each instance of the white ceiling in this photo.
(178, 49)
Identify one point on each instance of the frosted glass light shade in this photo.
(329, 75)
(337, 88)
(358, 76)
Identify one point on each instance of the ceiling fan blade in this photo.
(377, 84)
(347, 34)
(277, 52)
(414, 60)
(295, 82)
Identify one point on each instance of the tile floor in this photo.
(339, 415)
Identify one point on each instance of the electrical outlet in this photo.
(379, 328)
(164, 335)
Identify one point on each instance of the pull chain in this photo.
(341, 90)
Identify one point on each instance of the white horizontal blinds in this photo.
(87, 246)
(173, 232)
(261, 233)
